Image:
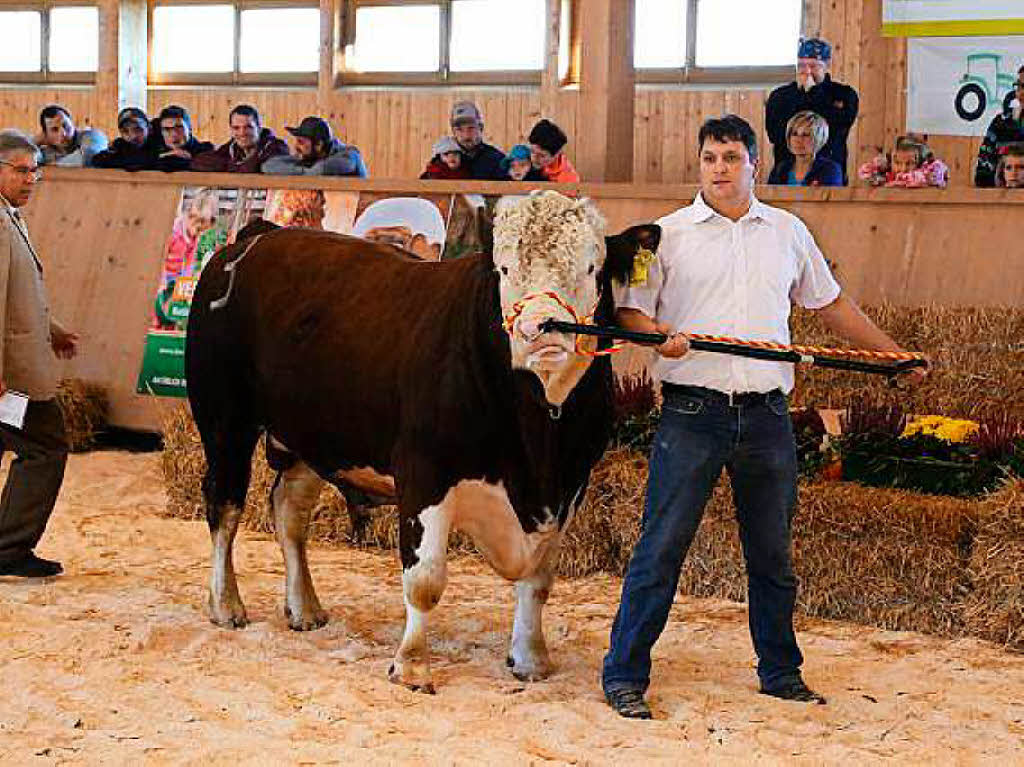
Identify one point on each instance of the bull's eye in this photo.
(591, 269)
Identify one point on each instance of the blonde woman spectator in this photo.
(912, 165)
(806, 136)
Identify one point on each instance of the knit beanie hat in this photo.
(548, 136)
(445, 145)
(518, 152)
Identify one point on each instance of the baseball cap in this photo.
(131, 114)
(313, 128)
(466, 111)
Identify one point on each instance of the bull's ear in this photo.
(623, 247)
(485, 233)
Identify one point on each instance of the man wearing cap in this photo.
(317, 153)
(481, 160)
(813, 90)
(136, 149)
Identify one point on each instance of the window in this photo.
(49, 43)
(250, 42)
(444, 41)
(713, 41)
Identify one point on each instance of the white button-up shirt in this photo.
(715, 276)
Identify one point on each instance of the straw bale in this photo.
(977, 355)
(85, 407)
(995, 607)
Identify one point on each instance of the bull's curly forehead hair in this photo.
(546, 232)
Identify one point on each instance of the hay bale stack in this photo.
(995, 607)
(978, 356)
(85, 407)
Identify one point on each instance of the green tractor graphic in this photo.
(981, 85)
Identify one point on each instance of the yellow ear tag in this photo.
(641, 264)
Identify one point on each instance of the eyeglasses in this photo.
(34, 173)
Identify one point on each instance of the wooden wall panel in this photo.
(395, 127)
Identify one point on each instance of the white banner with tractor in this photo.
(952, 18)
(957, 85)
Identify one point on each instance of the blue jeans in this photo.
(699, 434)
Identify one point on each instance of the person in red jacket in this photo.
(250, 146)
(446, 161)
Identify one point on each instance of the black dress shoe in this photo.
(31, 566)
(796, 691)
(628, 702)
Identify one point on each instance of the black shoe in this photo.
(31, 566)
(628, 702)
(797, 691)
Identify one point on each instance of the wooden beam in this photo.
(607, 84)
(132, 53)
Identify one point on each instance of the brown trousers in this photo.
(34, 478)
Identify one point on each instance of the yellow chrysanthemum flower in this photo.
(940, 427)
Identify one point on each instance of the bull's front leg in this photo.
(528, 656)
(423, 540)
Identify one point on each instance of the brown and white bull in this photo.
(429, 382)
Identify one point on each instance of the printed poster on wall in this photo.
(206, 220)
(952, 18)
(957, 85)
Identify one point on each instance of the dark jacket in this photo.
(1001, 131)
(823, 172)
(436, 169)
(173, 163)
(341, 160)
(127, 156)
(228, 158)
(836, 102)
(484, 163)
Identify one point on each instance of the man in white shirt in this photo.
(727, 265)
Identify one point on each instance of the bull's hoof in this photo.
(533, 670)
(412, 678)
(230, 615)
(306, 621)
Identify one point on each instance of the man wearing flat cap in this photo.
(816, 91)
(482, 160)
(317, 153)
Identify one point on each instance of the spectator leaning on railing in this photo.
(912, 165)
(177, 144)
(481, 160)
(547, 152)
(63, 144)
(816, 91)
(250, 146)
(1005, 128)
(317, 153)
(136, 149)
(807, 133)
(1010, 173)
(445, 161)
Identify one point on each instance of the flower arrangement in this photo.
(940, 427)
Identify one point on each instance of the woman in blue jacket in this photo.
(806, 134)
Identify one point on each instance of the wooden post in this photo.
(132, 53)
(605, 147)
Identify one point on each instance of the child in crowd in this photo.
(1010, 171)
(547, 145)
(518, 167)
(912, 165)
(446, 161)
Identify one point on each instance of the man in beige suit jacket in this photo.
(30, 342)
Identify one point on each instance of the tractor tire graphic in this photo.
(963, 95)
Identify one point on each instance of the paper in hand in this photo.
(12, 408)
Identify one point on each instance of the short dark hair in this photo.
(51, 111)
(246, 111)
(174, 112)
(728, 128)
(1013, 149)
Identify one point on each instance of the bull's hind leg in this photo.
(224, 488)
(293, 498)
(423, 539)
(528, 653)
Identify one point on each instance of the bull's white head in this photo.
(548, 252)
